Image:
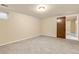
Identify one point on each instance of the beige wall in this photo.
(68, 28)
(49, 27)
(17, 27)
(73, 26)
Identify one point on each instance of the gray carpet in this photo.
(42, 45)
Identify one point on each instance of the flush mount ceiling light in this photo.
(41, 8)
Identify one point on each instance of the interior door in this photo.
(61, 22)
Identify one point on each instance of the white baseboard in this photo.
(48, 35)
(25, 39)
(19, 40)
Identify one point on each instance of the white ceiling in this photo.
(52, 9)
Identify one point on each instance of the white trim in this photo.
(19, 40)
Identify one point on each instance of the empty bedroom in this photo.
(39, 28)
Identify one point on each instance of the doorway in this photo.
(71, 27)
(67, 27)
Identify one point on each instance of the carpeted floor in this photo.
(42, 45)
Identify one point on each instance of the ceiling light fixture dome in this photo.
(41, 8)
